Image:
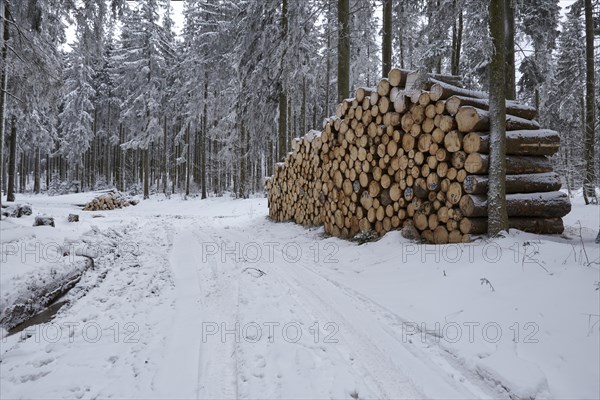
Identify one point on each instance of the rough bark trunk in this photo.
(204, 134)
(283, 114)
(48, 170)
(36, 171)
(457, 29)
(328, 62)
(3, 79)
(590, 175)
(386, 49)
(497, 204)
(243, 161)
(343, 78)
(146, 172)
(509, 26)
(188, 161)
(12, 160)
(165, 160)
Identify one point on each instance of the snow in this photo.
(209, 299)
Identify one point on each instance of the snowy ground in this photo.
(209, 299)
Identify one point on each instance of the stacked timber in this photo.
(109, 201)
(414, 151)
(296, 190)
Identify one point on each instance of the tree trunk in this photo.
(303, 110)
(3, 80)
(36, 171)
(509, 43)
(165, 160)
(590, 103)
(188, 160)
(343, 78)
(281, 145)
(146, 172)
(386, 45)
(22, 172)
(327, 62)
(283, 114)
(48, 171)
(118, 170)
(243, 161)
(204, 134)
(457, 29)
(497, 209)
(12, 160)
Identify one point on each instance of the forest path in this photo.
(273, 326)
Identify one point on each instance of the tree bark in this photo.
(497, 209)
(36, 171)
(282, 90)
(327, 62)
(509, 40)
(457, 29)
(386, 43)
(12, 160)
(165, 160)
(590, 104)
(48, 170)
(188, 160)
(343, 81)
(242, 158)
(204, 133)
(3, 80)
(146, 172)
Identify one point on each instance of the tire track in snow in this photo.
(178, 376)
(279, 368)
(372, 329)
(370, 361)
(218, 363)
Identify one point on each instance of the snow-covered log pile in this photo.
(296, 187)
(414, 151)
(109, 201)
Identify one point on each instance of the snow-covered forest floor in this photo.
(209, 299)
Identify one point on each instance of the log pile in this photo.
(413, 151)
(109, 201)
(296, 186)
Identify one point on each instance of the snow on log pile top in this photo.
(109, 201)
(414, 151)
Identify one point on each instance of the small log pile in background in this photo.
(109, 201)
(414, 151)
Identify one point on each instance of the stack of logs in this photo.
(109, 201)
(414, 151)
